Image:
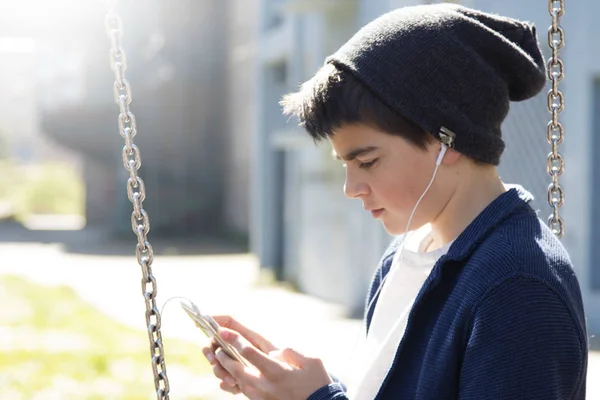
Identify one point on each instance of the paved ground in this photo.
(217, 283)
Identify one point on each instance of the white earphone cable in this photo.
(400, 251)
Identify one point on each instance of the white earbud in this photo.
(443, 150)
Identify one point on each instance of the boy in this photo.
(477, 299)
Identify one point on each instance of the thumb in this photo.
(253, 355)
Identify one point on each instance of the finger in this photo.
(293, 357)
(209, 353)
(246, 377)
(265, 364)
(223, 375)
(227, 321)
(209, 350)
(230, 389)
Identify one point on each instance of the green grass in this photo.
(55, 345)
(50, 188)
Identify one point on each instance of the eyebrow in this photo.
(354, 153)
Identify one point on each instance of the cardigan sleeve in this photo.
(333, 391)
(524, 343)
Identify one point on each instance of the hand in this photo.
(228, 383)
(280, 375)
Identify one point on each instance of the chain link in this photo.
(136, 192)
(556, 104)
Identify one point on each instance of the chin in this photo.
(394, 229)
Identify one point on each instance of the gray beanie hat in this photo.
(449, 69)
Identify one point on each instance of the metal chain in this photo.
(140, 223)
(556, 104)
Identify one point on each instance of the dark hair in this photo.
(334, 97)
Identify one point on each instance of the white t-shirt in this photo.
(403, 283)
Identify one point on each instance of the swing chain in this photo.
(136, 193)
(556, 103)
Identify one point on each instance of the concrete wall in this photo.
(241, 111)
(582, 58)
(179, 68)
(20, 130)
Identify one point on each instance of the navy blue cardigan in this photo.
(499, 317)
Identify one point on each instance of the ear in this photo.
(451, 157)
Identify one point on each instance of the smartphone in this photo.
(209, 326)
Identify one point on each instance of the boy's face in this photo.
(389, 174)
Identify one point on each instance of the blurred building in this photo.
(189, 63)
(20, 136)
(304, 228)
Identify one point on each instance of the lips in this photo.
(377, 212)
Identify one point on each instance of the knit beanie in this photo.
(450, 69)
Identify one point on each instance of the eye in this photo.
(368, 165)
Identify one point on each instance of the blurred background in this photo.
(248, 215)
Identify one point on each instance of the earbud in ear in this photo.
(443, 150)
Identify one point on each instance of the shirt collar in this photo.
(496, 212)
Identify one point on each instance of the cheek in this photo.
(398, 191)
(399, 197)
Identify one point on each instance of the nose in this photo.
(355, 188)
